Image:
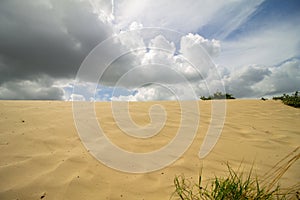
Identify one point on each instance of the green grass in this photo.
(240, 186)
(290, 100)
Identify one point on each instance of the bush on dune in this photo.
(291, 100)
(218, 95)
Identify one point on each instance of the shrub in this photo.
(218, 95)
(291, 100)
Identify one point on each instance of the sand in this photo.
(42, 156)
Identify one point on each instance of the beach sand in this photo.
(42, 156)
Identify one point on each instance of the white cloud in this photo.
(160, 42)
(104, 9)
(284, 79)
(135, 26)
(198, 51)
(160, 63)
(268, 46)
(257, 81)
(84, 89)
(242, 82)
(77, 97)
(194, 43)
(231, 16)
(161, 92)
(185, 16)
(161, 51)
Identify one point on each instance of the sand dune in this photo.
(42, 156)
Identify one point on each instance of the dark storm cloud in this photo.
(41, 89)
(39, 37)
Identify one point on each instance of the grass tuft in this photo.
(240, 186)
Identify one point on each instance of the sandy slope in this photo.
(41, 153)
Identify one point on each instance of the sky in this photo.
(249, 49)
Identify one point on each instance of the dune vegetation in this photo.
(218, 95)
(290, 100)
(241, 186)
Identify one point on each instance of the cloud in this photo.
(151, 93)
(270, 45)
(168, 72)
(192, 43)
(42, 89)
(285, 78)
(104, 9)
(256, 81)
(229, 18)
(160, 42)
(185, 16)
(160, 70)
(157, 61)
(249, 81)
(77, 97)
(43, 43)
(158, 92)
(47, 37)
(241, 82)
